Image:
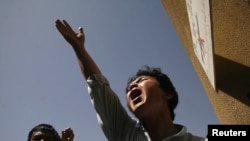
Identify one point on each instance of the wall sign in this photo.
(200, 25)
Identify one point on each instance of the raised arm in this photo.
(77, 40)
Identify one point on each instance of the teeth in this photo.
(135, 93)
(137, 100)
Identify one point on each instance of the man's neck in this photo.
(159, 128)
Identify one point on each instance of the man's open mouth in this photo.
(136, 96)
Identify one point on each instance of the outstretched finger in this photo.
(60, 26)
(67, 25)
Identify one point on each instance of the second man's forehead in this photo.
(46, 133)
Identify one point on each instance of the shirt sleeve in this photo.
(112, 117)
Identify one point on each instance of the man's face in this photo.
(145, 97)
(42, 136)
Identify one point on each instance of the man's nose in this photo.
(133, 85)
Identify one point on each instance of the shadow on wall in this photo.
(233, 78)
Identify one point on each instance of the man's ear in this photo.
(168, 96)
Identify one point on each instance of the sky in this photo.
(41, 82)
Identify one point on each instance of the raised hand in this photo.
(67, 134)
(75, 39)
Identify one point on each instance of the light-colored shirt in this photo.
(114, 120)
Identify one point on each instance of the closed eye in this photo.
(37, 138)
(135, 82)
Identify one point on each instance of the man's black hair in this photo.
(44, 127)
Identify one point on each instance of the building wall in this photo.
(230, 20)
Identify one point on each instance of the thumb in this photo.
(80, 29)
